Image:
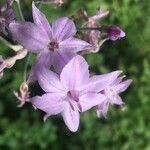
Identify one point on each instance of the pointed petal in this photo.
(90, 100)
(74, 45)
(60, 59)
(63, 28)
(121, 87)
(29, 35)
(102, 108)
(71, 118)
(49, 81)
(43, 60)
(51, 103)
(75, 73)
(116, 99)
(99, 82)
(41, 21)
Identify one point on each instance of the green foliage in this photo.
(126, 129)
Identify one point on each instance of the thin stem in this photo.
(97, 28)
(26, 67)
(20, 11)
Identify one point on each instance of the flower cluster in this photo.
(69, 89)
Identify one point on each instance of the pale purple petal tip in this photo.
(63, 28)
(41, 21)
(29, 35)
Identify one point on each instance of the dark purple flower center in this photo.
(52, 46)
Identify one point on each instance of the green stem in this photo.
(26, 67)
(99, 29)
(20, 11)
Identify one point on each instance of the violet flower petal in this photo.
(49, 81)
(60, 59)
(79, 76)
(74, 45)
(121, 87)
(98, 82)
(44, 60)
(41, 21)
(71, 118)
(63, 28)
(29, 35)
(90, 100)
(51, 104)
(102, 109)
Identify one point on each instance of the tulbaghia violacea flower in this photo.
(7, 15)
(70, 93)
(113, 32)
(112, 93)
(56, 42)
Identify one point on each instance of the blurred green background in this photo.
(127, 129)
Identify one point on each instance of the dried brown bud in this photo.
(23, 94)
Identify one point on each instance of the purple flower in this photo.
(72, 92)
(113, 32)
(56, 41)
(7, 15)
(112, 93)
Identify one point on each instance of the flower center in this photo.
(73, 96)
(52, 46)
(111, 93)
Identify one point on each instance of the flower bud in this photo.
(113, 32)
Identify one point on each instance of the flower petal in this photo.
(121, 87)
(29, 36)
(75, 73)
(43, 60)
(51, 103)
(116, 99)
(41, 21)
(63, 28)
(74, 45)
(102, 108)
(60, 59)
(71, 118)
(99, 82)
(49, 81)
(90, 100)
